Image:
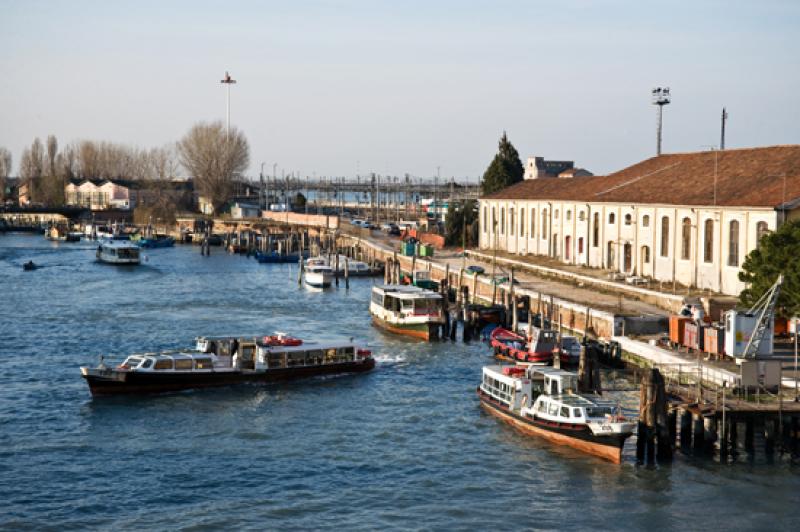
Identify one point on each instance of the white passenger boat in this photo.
(355, 268)
(118, 250)
(544, 402)
(408, 310)
(318, 276)
(226, 360)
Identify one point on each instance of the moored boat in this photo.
(407, 310)
(355, 268)
(542, 402)
(118, 250)
(156, 241)
(318, 276)
(227, 360)
(538, 349)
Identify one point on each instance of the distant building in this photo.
(538, 168)
(245, 210)
(688, 217)
(101, 194)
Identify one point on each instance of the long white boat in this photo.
(318, 276)
(543, 402)
(118, 250)
(408, 310)
(355, 268)
(227, 360)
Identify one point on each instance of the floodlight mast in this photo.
(661, 97)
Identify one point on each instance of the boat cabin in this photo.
(518, 386)
(572, 409)
(408, 301)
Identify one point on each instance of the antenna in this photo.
(661, 98)
(722, 135)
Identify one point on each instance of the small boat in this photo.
(29, 266)
(318, 276)
(273, 257)
(118, 250)
(508, 345)
(543, 402)
(156, 241)
(226, 360)
(355, 268)
(407, 310)
(61, 234)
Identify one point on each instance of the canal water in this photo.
(405, 447)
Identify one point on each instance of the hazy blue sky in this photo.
(333, 87)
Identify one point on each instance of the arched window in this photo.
(708, 241)
(522, 222)
(686, 238)
(582, 216)
(580, 244)
(569, 215)
(646, 254)
(665, 236)
(733, 244)
(646, 221)
(596, 230)
(628, 219)
(611, 218)
(610, 255)
(494, 219)
(544, 223)
(761, 230)
(502, 220)
(485, 218)
(511, 221)
(555, 215)
(533, 223)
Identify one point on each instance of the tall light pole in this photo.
(227, 80)
(661, 98)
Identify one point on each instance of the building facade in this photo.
(691, 218)
(100, 194)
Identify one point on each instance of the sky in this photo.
(393, 87)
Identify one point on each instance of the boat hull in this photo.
(423, 331)
(606, 447)
(132, 382)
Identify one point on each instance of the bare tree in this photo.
(214, 158)
(5, 171)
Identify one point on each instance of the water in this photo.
(405, 447)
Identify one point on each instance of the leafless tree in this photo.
(213, 159)
(5, 171)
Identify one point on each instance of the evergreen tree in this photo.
(504, 170)
(459, 222)
(778, 252)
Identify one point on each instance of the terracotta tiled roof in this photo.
(751, 177)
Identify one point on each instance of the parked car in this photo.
(571, 346)
(475, 269)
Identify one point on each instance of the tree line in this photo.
(212, 156)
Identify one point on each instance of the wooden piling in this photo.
(347, 273)
(336, 268)
(686, 428)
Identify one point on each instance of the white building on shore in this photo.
(691, 217)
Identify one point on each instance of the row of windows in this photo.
(708, 243)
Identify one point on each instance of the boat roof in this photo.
(571, 399)
(405, 291)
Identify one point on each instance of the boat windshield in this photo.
(425, 307)
(598, 411)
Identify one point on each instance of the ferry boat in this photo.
(318, 276)
(543, 402)
(227, 360)
(118, 250)
(538, 349)
(407, 310)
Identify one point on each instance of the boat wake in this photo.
(389, 359)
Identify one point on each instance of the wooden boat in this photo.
(227, 360)
(542, 402)
(318, 276)
(539, 349)
(407, 310)
(118, 250)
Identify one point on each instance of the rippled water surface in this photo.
(404, 447)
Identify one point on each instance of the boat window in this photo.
(147, 363)
(377, 298)
(408, 304)
(597, 411)
(297, 359)
(164, 363)
(183, 363)
(564, 412)
(247, 352)
(553, 411)
(576, 412)
(203, 363)
(275, 360)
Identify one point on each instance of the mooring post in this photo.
(300, 266)
(749, 434)
(686, 428)
(336, 268)
(698, 430)
(347, 273)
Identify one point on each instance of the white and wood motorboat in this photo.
(226, 360)
(407, 310)
(543, 402)
(318, 276)
(355, 268)
(118, 250)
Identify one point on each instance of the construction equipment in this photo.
(764, 312)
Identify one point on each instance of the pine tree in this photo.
(778, 252)
(504, 170)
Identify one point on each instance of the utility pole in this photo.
(228, 81)
(661, 98)
(722, 134)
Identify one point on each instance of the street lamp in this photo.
(228, 81)
(661, 98)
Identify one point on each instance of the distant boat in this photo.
(157, 241)
(118, 250)
(514, 347)
(29, 266)
(355, 268)
(273, 257)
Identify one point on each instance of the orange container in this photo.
(677, 326)
(714, 340)
(781, 327)
(693, 335)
